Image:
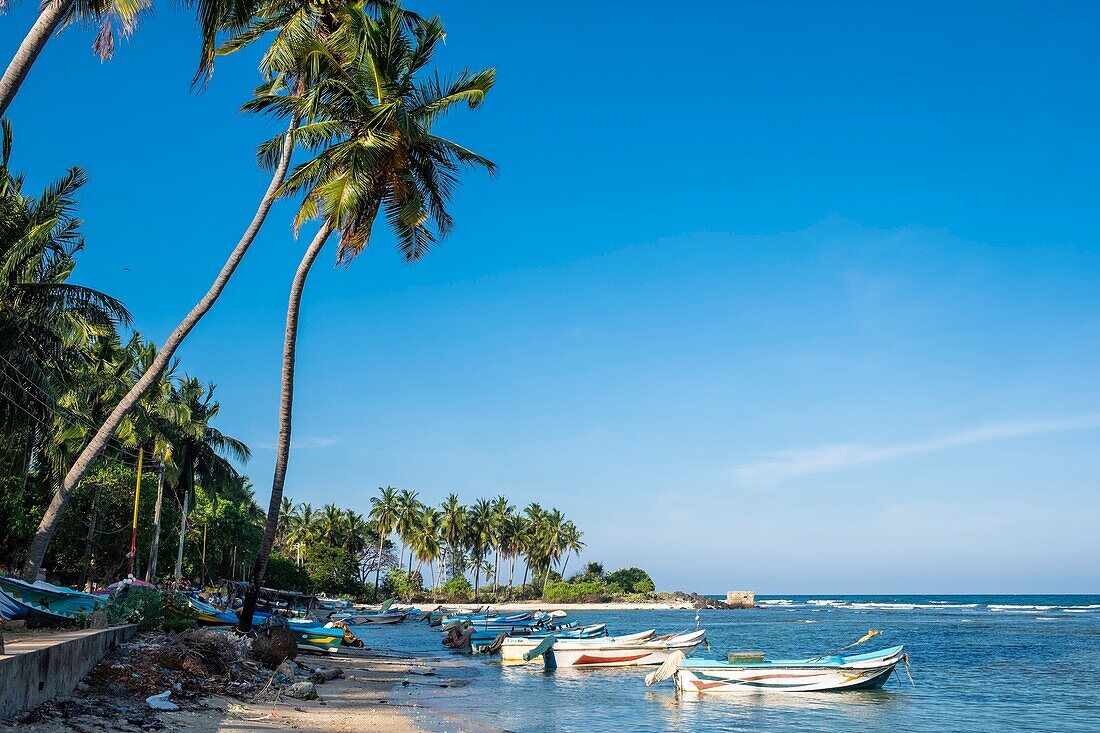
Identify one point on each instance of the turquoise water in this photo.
(979, 663)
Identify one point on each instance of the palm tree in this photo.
(408, 510)
(40, 311)
(425, 540)
(202, 450)
(294, 61)
(512, 543)
(452, 527)
(384, 514)
(332, 520)
(357, 530)
(286, 519)
(304, 526)
(501, 510)
(159, 420)
(479, 528)
(571, 543)
(372, 123)
(551, 540)
(534, 516)
(120, 17)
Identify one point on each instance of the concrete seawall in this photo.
(42, 667)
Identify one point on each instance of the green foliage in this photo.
(285, 574)
(332, 570)
(594, 569)
(586, 591)
(633, 579)
(457, 588)
(405, 586)
(19, 523)
(150, 608)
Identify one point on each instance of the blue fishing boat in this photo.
(209, 614)
(310, 634)
(50, 600)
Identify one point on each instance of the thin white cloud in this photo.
(782, 465)
(303, 443)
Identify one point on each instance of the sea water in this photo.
(978, 663)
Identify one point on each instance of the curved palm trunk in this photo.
(154, 544)
(378, 565)
(27, 53)
(286, 412)
(511, 572)
(183, 534)
(99, 441)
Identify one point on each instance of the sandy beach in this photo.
(379, 692)
(611, 606)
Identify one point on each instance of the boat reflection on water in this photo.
(872, 709)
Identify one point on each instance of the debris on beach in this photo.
(161, 701)
(160, 673)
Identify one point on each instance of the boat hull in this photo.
(634, 650)
(49, 600)
(852, 673)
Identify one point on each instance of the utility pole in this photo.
(137, 497)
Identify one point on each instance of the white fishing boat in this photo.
(514, 648)
(375, 619)
(622, 651)
(817, 674)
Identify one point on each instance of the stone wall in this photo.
(740, 599)
(45, 666)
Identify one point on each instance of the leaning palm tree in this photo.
(316, 43)
(371, 124)
(384, 513)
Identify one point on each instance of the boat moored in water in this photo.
(829, 673)
(633, 650)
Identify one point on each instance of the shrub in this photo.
(333, 570)
(630, 578)
(150, 608)
(458, 588)
(284, 574)
(586, 591)
(405, 586)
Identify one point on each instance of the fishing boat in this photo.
(51, 600)
(375, 619)
(609, 652)
(385, 616)
(316, 638)
(818, 674)
(310, 634)
(565, 631)
(209, 614)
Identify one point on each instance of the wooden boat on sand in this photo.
(23, 599)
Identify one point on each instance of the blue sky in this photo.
(778, 296)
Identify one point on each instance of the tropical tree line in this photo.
(66, 358)
(483, 539)
(350, 84)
